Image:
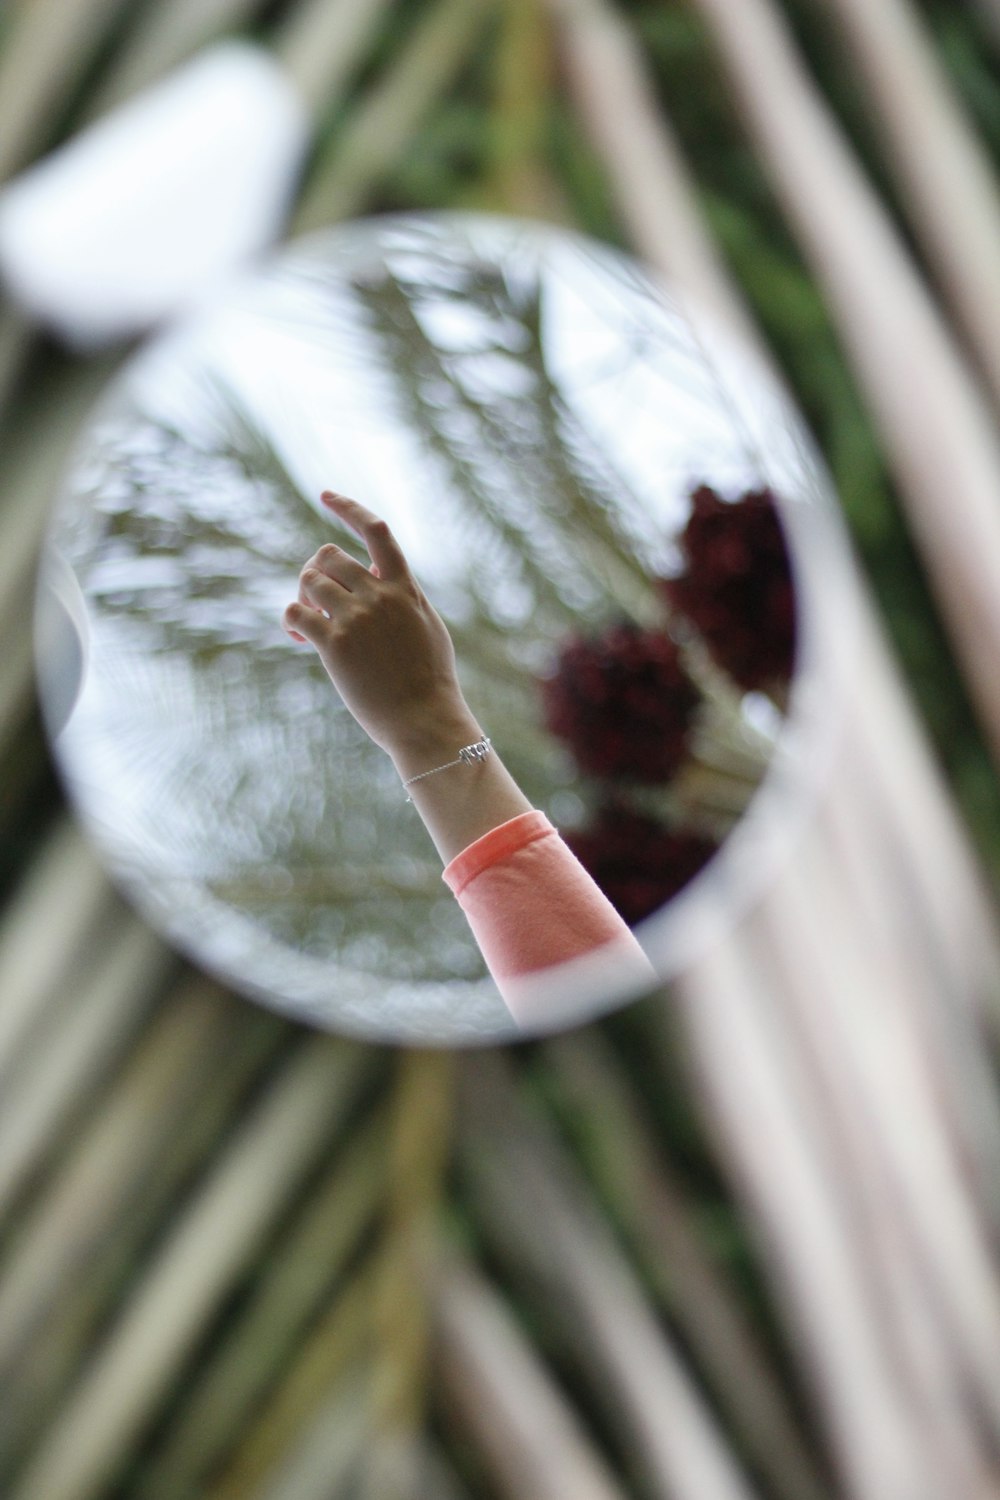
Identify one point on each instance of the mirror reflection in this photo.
(579, 487)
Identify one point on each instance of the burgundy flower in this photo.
(638, 863)
(737, 585)
(622, 703)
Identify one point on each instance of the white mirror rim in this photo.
(299, 373)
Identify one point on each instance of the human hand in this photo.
(384, 646)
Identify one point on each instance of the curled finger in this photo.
(303, 623)
(341, 567)
(319, 591)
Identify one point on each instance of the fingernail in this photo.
(330, 495)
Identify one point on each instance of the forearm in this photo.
(387, 651)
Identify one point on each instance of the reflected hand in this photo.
(385, 648)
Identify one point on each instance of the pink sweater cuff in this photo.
(501, 841)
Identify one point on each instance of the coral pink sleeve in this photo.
(531, 905)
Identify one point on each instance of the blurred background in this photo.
(739, 1240)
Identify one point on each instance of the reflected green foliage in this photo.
(241, 758)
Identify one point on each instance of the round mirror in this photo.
(593, 489)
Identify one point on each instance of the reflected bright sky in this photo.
(303, 358)
(529, 412)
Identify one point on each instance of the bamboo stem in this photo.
(938, 946)
(989, 10)
(662, 1224)
(383, 124)
(948, 181)
(536, 1215)
(96, 1178)
(200, 1114)
(163, 37)
(884, 1098)
(309, 1260)
(213, 1239)
(36, 458)
(325, 1460)
(937, 429)
(321, 43)
(62, 891)
(762, 1109)
(96, 1014)
(504, 1398)
(46, 51)
(17, 335)
(656, 196)
(24, 769)
(17, 690)
(520, 179)
(337, 1341)
(419, 1149)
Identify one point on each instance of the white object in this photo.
(142, 213)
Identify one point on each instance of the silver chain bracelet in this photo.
(467, 756)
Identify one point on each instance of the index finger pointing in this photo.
(383, 549)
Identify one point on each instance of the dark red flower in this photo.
(736, 588)
(637, 862)
(622, 703)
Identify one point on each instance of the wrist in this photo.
(432, 741)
